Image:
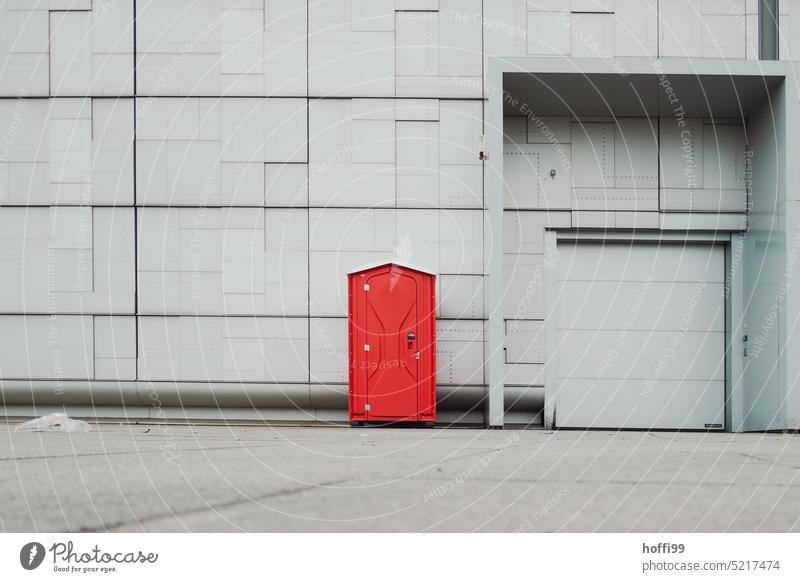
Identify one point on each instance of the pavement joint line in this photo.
(770, 461)
(607, 482)
(215, 508)
(129, 452)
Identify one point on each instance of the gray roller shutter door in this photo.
(641, 336)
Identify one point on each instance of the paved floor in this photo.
(212, 478)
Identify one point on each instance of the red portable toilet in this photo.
(392, 335)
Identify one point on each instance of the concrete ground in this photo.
(259, 478)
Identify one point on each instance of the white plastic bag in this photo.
(54, 422)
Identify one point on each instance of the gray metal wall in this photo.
(191, 221)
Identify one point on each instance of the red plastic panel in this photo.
(392, 335)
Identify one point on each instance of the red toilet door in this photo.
(392, 332)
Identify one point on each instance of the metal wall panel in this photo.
(548, 129)
(24, 50)
(68, 151)
(285, 48)
(510, 39)
(265, 349)
(286, 266)
(221, 349)
(699, 28)
(70, 47)
(524, 286)
(460, 242)
(328, 271)
(703, 167)
(636, 28)
(523, 231)
(636, 153)
(525, 342)
(459, 352)
(286, 185)
(417, 163)
(537, 176)
(548, 32)
(593, 5)
(417, 44)
(328, 351)
(115, 347)
(593, 151)
(681, 28)
(91, 51)
(460, 297)
(592, 34)
(191, 152)
(373, 153)
(438, 53)
(57, 347)
(460, 131)
(708, 221)
(350, 52)
(66, 260)
(216, 261)
(212, 47)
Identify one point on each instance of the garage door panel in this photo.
(625, 262)
(632, 404)
(644, 355)
(643, 305)
(641, 336)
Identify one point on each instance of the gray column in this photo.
(493, 245)
(768, 49)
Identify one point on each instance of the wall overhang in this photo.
(599, 87)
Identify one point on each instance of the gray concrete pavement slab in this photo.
(280, 478)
